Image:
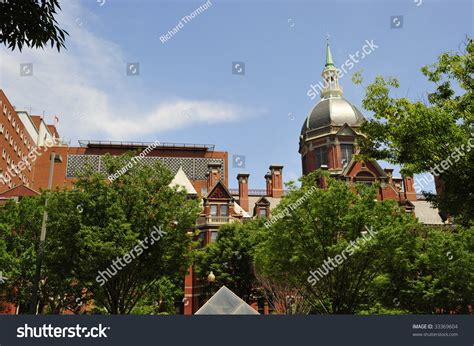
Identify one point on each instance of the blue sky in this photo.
(185, 90)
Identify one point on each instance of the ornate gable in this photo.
(263, 202)
(219, 191)
(356, 167)
(346, 130)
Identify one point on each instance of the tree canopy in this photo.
(319, 251)
(90, 227)
(435, 135)
(30, 23)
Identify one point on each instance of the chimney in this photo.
(389, 172)
(408, 186)
(323, 182)
(268, 180)
(213, 175)
(276, 172)
(243, 179)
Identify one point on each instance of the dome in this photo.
(332, 111)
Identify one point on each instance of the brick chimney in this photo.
(213, 175)
(389, 172)
(408, 186)
(322, 181)
(268, 180)
(243, 179)
(276, 172)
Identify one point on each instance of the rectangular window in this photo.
(213, 236)
(346, 153)
(321, 156)
(262, 212)
(213, 209)
(223, 210)
(202, 238)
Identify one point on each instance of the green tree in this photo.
(404, 267)
(19, 232)
(435, 136)
(31, 23)
(98, 221)
(230, 258)
(431, 273)
(326, 225)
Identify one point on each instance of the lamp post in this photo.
(289, 304)
(211, 278)
(34, 294)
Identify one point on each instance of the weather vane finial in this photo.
(327, 38)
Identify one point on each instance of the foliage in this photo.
(19, 232)
(31, 23)
(402, 268)
(230, 259)
(436, 136)
(96, 222)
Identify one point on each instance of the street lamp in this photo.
(54, 158)
(211, 277)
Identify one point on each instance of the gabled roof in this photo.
(253, 200)
(182, 181)
(52, 129)
(226, 302)
(239, 210)
(262, 200)
(19, 191)
(346, 130)
(348, 168)
(219, 191)
(36, 119)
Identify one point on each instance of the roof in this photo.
(254, 199)
(182, 181)
(52, 129)
(239, 210)
(131, 144)
(426, 214)
(36, 119)
(332, 111)
(18, 191)
(226, 302)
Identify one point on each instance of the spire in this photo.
(329, 61)
(330, 75)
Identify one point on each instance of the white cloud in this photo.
(86, 86)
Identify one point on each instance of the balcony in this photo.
(214, 220)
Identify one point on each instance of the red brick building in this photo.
(328, 140)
